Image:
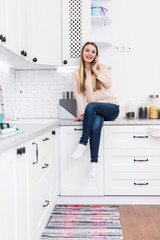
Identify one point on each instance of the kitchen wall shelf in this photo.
(103, 44)
(100, 19)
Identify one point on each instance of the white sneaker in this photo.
(78, 152)
(93, 170)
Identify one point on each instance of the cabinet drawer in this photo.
(129, 137)
(41, 204)
(130, 159)
(132, 184)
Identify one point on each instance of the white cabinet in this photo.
(45, 32)
(10, 24)
(42, 181)
(8, 195)
(3, 22)
(13, 26)
(22, 191)
(74, 173)
(14, 194)
(28, 186)
(25, 29)
(76, 29)
(131, 158)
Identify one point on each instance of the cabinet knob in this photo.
(23, 150)
(4, 39)
(22, 52)
(34, 59)
(54, 132)
(19, 151)
(1, 38)
(25, 54)
(65, 62)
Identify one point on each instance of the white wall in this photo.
(137, 24)
(7, 81)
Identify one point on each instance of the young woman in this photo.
(92, 81)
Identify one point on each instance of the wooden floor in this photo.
(140, 222)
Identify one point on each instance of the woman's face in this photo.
(89, 53)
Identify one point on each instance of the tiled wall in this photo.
(7, 81)
(41, 91)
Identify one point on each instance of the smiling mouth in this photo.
(90, 58)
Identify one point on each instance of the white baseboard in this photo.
(110, 200)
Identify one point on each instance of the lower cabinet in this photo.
(28, 187)
(8, 216)
(132, 161)
(74, 173)
(43, 182)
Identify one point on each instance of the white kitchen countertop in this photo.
(118, 121)
(31, 128)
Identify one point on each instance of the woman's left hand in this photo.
(95, 65)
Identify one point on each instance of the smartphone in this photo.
(94, 61)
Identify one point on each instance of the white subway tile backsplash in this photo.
(42, 90)
(7, 81)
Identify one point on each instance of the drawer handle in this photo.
(78, 129)
(45, 166)
(141, 160)
(36, 152)
(140, 136)
(45, 139)
(47, 203)
(141, 183)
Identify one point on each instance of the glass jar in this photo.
(130, 110)
(153, 106)
(143, 110)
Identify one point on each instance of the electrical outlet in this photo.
(122, 49)
(116, 48)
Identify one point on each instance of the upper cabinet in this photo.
(45, 32)
(10, 24)
(3, 21)
(76, 29)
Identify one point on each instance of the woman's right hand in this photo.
(79, 119)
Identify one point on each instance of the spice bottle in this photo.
(130, 110)
(153, 106)
(142, 110)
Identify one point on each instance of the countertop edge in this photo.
(23, 137)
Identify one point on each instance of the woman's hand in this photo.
(79, 119)
(94, 66)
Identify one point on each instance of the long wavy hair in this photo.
(81, 72)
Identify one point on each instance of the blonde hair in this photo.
(81, 72)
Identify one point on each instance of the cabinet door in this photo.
(43, 182)
(76, 29)
(13, 26)
(24, 29)
(74, 173)
(45, 36)
(22, 191)
(8, 195)
(3, 21)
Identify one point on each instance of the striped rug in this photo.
(78, 222)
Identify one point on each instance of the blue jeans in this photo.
(95, 114)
